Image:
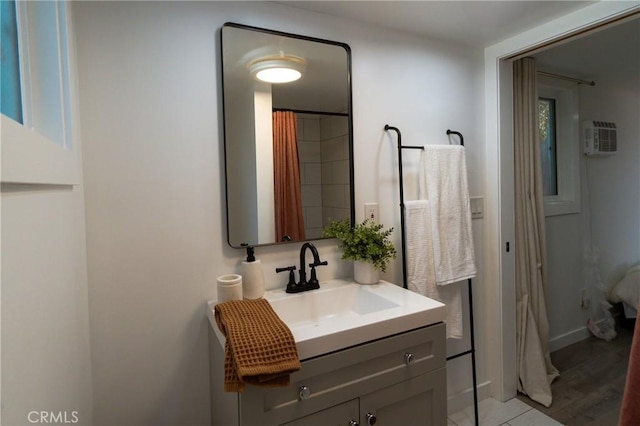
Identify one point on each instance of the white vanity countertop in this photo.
(343, 313)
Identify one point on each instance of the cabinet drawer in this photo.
(346, 374)
(419, 401)
(340, 415)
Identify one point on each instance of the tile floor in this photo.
(494, 413)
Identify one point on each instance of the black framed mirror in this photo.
(288, 145)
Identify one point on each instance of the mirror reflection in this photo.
(288, 138)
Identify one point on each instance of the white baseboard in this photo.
(569, 338)
(464, 399)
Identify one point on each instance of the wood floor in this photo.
(591, 383)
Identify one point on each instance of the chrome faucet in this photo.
(303, 284)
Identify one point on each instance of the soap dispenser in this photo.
(252, 276)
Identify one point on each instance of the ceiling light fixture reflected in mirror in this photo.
(279, 69)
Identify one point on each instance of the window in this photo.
(548, 154)
(11, 103)
(559, 146)
(37, 136)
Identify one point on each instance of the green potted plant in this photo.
(367, 244)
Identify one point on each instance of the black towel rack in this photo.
(472, 350)
(402, 222)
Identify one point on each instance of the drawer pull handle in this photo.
(354, 423)
(409, 358)
(371, 419)
(304, 393)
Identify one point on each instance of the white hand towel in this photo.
(420, 266)
(448, 194)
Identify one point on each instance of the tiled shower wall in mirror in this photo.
(323, 142)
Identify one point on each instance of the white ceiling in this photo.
(473, 23)
(605, 54)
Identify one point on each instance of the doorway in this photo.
(499, 171)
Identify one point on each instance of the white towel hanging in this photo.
(420, 266)
(448, 194)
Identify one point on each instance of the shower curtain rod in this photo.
(303, 111)
(564, 77)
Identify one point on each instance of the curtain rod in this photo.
(563, 77)
(302, 111)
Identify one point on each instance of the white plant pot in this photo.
(365, 273)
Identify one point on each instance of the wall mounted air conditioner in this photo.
(599, 138)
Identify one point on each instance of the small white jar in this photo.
(229, 287)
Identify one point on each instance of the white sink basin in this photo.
(343, 313)
(328, 303)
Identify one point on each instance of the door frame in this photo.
(499, 263)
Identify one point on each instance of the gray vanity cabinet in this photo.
(400, 379)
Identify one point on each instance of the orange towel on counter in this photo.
(630, 411)
(259, 347)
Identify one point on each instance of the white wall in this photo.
(243, 189)
(613, 208)
(45, 324)
(153, 166)
(266, 210)
(567, 320)
(614, 180)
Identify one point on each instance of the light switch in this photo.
(477, 207)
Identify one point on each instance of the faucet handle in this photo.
(313, 281)
(291, 285)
